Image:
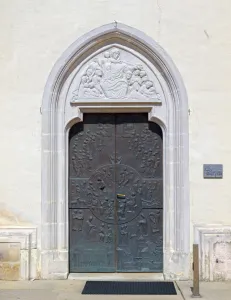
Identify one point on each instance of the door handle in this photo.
(121, 196)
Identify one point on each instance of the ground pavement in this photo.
(71, 290)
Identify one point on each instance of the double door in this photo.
(115, 194)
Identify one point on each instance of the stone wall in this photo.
(33, 36)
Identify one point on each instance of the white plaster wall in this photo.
(34, 33)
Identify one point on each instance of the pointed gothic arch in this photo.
(61, 108)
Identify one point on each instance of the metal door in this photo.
(115, 194)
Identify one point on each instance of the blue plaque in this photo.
(213, 171)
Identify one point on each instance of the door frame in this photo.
(59, 114)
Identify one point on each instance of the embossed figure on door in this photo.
(116, 194)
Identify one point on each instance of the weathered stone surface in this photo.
(9, 261)
(9, 252)
(18, 250)
(9, 271)
(215, 251)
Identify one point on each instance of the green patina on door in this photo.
(116, 194)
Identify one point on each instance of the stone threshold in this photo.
(117, 276)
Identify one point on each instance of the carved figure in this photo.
(122, 209)
(159, 248)
(115, 158)
(123, 177)
(91, 227)
(128, 130)
(78, 217)
(90, 82)
(109, 237)
(114, 84)
(132, 203)
(100, 144)
(76, 194)
(102, 232)
(155, 220)
(124, 233)
(77, 164)
(124, 251)
(151, 192)
(135, 81)
(92, 195)
(143, 227)
(107, 208)
(110, 210)
(104, 129)
(147, 89)
(100, 184)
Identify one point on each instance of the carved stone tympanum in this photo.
(111, 75)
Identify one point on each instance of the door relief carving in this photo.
(116, 198)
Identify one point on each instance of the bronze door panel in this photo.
(139, 178)
(116, 194)
(91, 194)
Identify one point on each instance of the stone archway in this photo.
(79, 83)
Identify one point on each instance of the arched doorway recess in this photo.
(114, 69)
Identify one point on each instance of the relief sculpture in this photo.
(110, 76)
(143, 227)
(155, 220)
(78, 217)
(76, 197)
(115, 158)
(116, 209)
(101, 197)
(152, 193)
(91, 226)
(106, 234)
(88, 145)
(150, 156)
(82, 153)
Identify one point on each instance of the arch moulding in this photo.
(68, 95)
